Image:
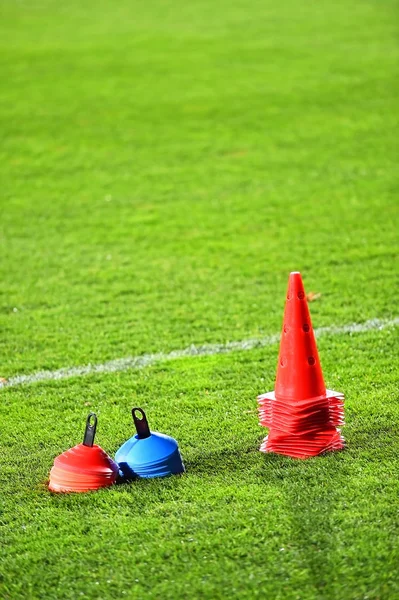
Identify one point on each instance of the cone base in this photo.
(303, 447)
(303, 415)
(66, 489)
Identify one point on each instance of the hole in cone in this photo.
(306, 328)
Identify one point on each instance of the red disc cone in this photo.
(84, 467)
(301, 414)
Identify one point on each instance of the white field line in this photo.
(146, 360)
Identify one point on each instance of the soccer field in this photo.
(164, 166)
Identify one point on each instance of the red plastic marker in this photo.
(301, 414)
(84, 467)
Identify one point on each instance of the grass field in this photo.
(163, 166)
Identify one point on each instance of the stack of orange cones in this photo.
(301, 414)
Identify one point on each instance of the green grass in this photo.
(163, 167)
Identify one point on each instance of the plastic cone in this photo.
(299, 374)
(148, 454)
(301, 414)
(84, 467)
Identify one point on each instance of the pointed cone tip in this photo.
(295, 286)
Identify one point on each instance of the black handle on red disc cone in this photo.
(141, 424)
(90, 430)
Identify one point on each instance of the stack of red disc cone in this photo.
(84, 467)
(301, 414)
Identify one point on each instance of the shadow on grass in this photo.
(313, 490)
(320, 495)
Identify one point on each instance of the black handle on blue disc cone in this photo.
(90, 430)
(141, 424)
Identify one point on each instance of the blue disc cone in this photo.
(148, 454)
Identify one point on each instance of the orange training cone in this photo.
(301, 414)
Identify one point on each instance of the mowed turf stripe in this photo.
(146, 360)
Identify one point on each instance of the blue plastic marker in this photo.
(148, 453)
